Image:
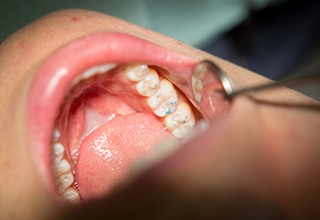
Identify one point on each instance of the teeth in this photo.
(197, 87)
(164, 101)
(62, 171)
(96, 70)
(62, 167)
(167, 107)
(71, 195)
(137, 72)
(65, 181)
(196, 81)
(149, 85)
(181, 122)
(58, 151)
(56, 135)
(161, 97)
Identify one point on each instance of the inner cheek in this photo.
(111, 120)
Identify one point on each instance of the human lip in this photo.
(57, 73)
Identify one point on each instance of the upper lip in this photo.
(55, 76)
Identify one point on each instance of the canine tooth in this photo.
(164, 92)
(149, 85)
(65, 181)
(71, 195)
(181, 121)
(61, 167)
(167, 107)
(137, 72)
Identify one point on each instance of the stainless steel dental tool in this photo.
(207, 67)
(213, 90)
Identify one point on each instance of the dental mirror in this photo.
(208, 82)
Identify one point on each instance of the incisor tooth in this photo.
(137, 72)
(65, 181)
(149, 85)
(181, 121)
(71, 195)
(96, 70)
(61, 167)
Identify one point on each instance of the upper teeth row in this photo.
(162, 98)
(196, 81)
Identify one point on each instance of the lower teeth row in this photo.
(162, 99)
(63, 173)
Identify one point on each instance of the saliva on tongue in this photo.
(106, 155)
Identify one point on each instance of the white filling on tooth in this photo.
(164, 92)
(162, 98)
(149, 85)
(181, 122)
(96, 70)
(137, 72)
(167, 107)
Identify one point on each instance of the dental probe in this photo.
(227, 85)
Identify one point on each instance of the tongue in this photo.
(106, 154)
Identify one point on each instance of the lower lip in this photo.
(55, 76)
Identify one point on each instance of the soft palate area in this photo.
(112, 117)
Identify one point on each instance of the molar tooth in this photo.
(167, 107)
(149, 85)
(164, 92)
(197, 87)
(137, 72)
(61, 167)
(71, 195)
(65, 181)
(181, 121)
(196, 80)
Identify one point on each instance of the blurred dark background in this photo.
(274, 41)
(275, 38)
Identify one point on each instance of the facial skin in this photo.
(264, 153)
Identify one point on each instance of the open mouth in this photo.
(102, 102)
